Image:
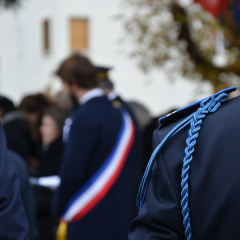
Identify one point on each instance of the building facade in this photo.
(40, 33)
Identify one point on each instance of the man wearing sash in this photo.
(190, 187)
(97, 186)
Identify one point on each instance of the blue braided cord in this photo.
(209, 102)
(143, 185)
(209, 105)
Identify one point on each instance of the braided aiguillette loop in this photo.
(209, 105)
(221, 98)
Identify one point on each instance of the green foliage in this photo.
(182, 40)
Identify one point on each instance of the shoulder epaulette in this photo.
(173, 116)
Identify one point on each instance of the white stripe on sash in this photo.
(100, 185)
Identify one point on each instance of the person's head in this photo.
(52, 124)
(33, 107)
(78, 75)
(6, 105)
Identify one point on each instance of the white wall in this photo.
(25, 68)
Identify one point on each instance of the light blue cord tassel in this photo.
(209, 105)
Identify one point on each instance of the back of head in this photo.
(35, 103)
(78, 70)
(6, 105)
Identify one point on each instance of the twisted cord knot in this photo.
(209, 105)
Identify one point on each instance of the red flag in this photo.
(215, 7)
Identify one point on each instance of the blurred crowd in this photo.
(34, 139)
(34, 133)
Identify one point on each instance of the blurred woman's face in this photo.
(48, 130)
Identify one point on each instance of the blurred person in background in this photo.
(26, 192)
(90, 149)
(16, 130)
(50, 158)
(18, 144)
(32, 107)
(13, 220)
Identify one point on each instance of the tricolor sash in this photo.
(97, 187)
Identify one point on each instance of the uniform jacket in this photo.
(26, 191)
(213, 182)
(13, 221)
(93, 133)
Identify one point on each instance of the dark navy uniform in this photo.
(93, 133)
(13, 221)
(213, 182)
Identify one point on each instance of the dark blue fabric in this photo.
(236, 12)
(92, 136)
(13, 221)
(213, 185)
(26, 191)
(136, 152)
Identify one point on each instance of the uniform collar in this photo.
(112, 95)
(96, 92)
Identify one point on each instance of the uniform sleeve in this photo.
(13, 222)
(74, 169)
(160, 216)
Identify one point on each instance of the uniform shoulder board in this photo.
(174, 116)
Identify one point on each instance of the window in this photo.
(79, 34)
(46, 40)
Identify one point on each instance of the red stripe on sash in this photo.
(110, 183)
